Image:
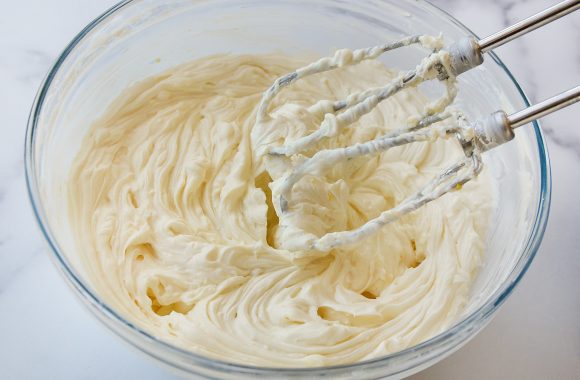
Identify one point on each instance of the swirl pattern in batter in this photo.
(170, 202)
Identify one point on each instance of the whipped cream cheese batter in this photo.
(171, 203)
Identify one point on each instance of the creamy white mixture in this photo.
(171, 205)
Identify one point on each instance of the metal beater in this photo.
(443, 65)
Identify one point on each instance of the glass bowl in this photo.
(140, 38)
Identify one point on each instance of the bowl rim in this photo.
(484, 312)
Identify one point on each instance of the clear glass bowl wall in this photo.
(141, 38)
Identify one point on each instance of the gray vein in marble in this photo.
(568, 143)
(40, 62)
(27, 65)
(506, 8)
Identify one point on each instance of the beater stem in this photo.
(533, 22)
(544, 108)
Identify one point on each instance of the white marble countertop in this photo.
(46, 334)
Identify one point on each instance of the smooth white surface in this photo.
(46, 334)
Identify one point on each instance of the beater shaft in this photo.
(525, 26)
(544, 108)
